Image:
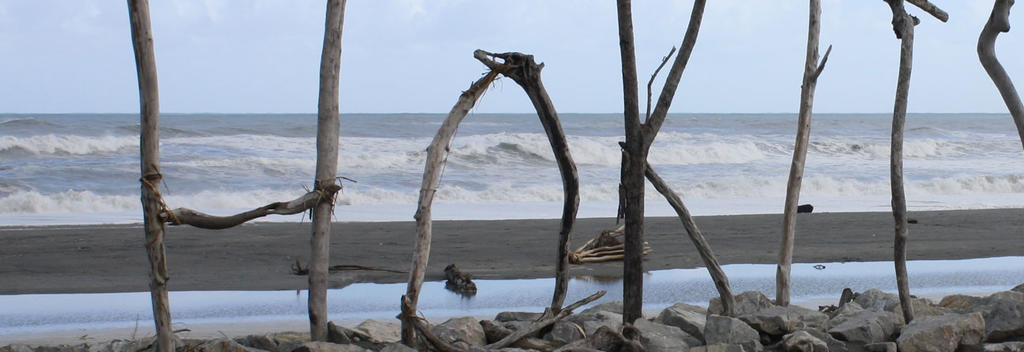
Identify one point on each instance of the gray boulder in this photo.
(722, 347)
(397, 347)
(379, 332)
(690, 319)
(613, 307)
(942, 333)
(746, 303)
(881, 347)
(875, 299)
(564, 332)
(320, 346)
(462, 332)
(1018, 288)
(595, 319)
(1003, 312)
(1013, 346)
(865, 326)
(659, 337)
(517, 316)
(802, 341)
(279, 342)
(223, 345)
(725, 330)
(778, 320)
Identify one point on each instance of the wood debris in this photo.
(605, 247)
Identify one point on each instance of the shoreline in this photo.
(259, 256)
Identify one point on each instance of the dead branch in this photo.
(548, 319)
(931, 9)
(650, 83)
(999, 22)
(417, 324)
(186, 216)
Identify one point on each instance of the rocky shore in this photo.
(866, 321)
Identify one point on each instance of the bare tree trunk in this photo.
(998, 22)
(326, 168)
(526, 72)
(903, 26)
(431, 178)
(149, 149)
(639, 137)
(703, 248)
(796, 171)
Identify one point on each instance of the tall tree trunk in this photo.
(903, 26)
(436, 153)
(633, 171)
(998, 22)
(149, 150)
(326, 168)
(796, 171)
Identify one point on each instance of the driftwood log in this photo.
(812, 69)
(149, 148)
(999, 22)
(459, 282)
(639, 136)
(431, 179)
(186, 216)
(326, 168)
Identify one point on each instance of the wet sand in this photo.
(259, 256)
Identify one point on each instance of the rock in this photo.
(517, 316)
(833, 344)
(865, 326)
(397, 347)
(223, 345)
(942, 333)
(494, 332)
(1018, 288)
(464, 329)
(606, 339)
(881, 347)
(660, 337)
(746, 303)
(613, 307)
(802, 341)
(804, 208)
(690, 319)
(722, 347)
(875, 299)
(726, 330)
(1014, 346)
(379, 332)
(532, 343)
(320, 346)
(564, 332)
(279, 342)
(17, 347)
(593, 320)
(778, 320)
(1003, 312)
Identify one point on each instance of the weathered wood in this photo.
(703, 248)
(186, 216)
(328, 126)
(526, 72)
(812, 69)
(149, 150)
(931, 9)
(549, 317)
(999, 21)
(903, 26)
(639, 137)
(431, 178)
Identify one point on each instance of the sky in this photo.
(415, 56)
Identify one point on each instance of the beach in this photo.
(259, 256)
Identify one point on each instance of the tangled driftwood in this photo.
(603, 248)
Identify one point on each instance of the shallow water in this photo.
(23, 314)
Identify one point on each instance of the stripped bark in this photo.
(703, 248)
(186, 216)
(524, 71)
(639, 137)
(812, 69)
(149, 149)
(903, 25)
(998, 22)
(326, 168)
(431, 178)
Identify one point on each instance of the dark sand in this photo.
(111, 258)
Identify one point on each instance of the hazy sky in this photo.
(416, 55)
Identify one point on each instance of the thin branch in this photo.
(543, 322)
(186, 216)
(821, 65)
(931, 9)
(650, 83)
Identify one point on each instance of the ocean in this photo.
(84, 168)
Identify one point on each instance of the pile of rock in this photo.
(868, 321)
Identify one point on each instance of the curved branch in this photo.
(186, 216)
(998, 22)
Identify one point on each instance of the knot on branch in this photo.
(518, 66)
(902, 22)
(151, 181)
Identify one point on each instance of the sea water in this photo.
(84, 168)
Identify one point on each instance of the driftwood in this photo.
(459, 282)
(999, 21)
(812, 69)
(431, 178)
(326, 168)
(524, 71)
(149, 147)
(298, 269)
(186, 216)
(549, 317)
(603, 248)
(639, 137)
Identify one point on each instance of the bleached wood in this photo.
(149, 151)
(328, 126)
(812, 69)
(186, 216)
(998, 22)
(931, 9)
(431, 178)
